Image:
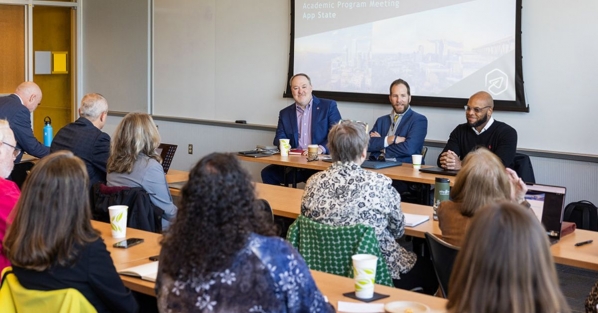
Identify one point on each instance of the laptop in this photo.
(376, 165)
(439, 170)
(166, 151)
(548, 203)
(256, 153)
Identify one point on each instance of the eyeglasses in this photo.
(360, 123)
(15, 151)
(477, 110)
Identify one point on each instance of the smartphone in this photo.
(128, 243)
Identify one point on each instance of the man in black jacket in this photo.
(85, 138)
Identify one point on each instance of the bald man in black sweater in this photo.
(480, 130)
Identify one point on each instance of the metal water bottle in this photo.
(48, 131)
(442, 190)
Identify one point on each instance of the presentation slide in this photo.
(448, 48)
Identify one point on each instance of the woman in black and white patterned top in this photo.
(346, 194)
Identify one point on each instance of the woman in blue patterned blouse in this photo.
(218, 255)
(345, 194)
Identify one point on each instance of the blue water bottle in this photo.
(48, 131)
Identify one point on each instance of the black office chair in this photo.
(443, 257)
(424, 152)
(142, 213)
(20, 172)
(523, 166)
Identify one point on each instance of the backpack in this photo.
(583, 213)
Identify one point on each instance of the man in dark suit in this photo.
(85, 138)
(16, 109)
(305, 122)
(400, 134)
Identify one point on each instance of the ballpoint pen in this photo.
(584, 243)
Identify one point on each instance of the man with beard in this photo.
(480, 130)
(400, 134)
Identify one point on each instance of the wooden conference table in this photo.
(332, 286)
(405, 172)
(287, 202)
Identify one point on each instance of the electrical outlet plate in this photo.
(190, 149)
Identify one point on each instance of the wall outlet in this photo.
(190, 149)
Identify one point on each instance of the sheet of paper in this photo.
(412, 220)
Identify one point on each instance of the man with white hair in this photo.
(9, 192)
(16, 109)
(84, 137)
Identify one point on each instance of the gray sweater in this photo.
(149, 174)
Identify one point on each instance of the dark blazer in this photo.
(324, 115)
(413, 126)
(19, 118)
(87, 142)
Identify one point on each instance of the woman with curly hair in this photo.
(505, 265)
(134, 162)
(218, 257)
(51, 243)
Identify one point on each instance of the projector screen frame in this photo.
(519, 105)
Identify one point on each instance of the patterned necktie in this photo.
(394, 123)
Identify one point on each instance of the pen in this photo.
(584, 243)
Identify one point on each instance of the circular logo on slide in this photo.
(497, 82)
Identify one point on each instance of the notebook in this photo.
(439, 170)
(548, 203)
(147, 271)
(370, 164)
(177, 185)
(412, 220)
(166, 152)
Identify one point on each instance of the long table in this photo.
(332, 286)
(405, 172)
(287, 202)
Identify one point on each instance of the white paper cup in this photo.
(417, 160)
(312, 152)
(285, 147)
(118, 220)
(364, 274)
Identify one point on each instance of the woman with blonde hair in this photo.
(505, 265)
(51, 243)
(134, 162)
(482, 180)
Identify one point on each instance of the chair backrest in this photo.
(329, 248)
(424, 152)
(522, 165)
(15, 298)
(20, 172)
(142, 213)
(443, 257)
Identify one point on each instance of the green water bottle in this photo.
(442, 190)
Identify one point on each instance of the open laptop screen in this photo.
(547, 202)
(166, 151)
